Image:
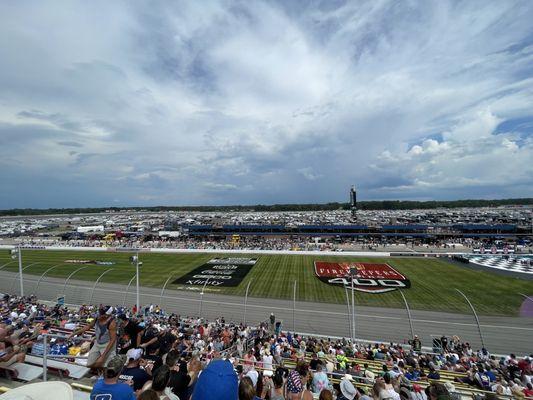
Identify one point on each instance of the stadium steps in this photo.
(62, 368)
(22, 371)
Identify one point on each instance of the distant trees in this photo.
(362, 205)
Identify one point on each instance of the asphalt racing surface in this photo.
(502, 335)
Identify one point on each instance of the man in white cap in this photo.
(133, 374)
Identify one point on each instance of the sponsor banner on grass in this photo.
(90, 262)
(121, 249)
(368, 278)
(218, 272)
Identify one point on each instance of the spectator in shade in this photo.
(148, 394)
(179, 379)
(160, 384)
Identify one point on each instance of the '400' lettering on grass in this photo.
(367, 277)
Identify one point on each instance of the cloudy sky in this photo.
(206, 102)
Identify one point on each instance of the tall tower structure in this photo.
(353, 202)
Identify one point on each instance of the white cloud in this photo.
(292, 101)
(471, 155)
(309, 174)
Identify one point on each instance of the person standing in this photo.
(416, 344)
(131, 334)
(267, 360)
(104, 347)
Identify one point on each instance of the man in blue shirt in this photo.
(108, 387)
(132, 373)
(490, 374)
(412, 374)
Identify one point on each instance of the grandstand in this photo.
(185, 319)
(377, 310)
(44, 348)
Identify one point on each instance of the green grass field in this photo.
(433, 281)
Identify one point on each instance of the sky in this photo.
(247, 102)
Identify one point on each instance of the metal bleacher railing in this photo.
(46, 355)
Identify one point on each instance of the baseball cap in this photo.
(217, 381)
(116, 364)
(134, 354)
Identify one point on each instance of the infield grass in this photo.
(433, 281)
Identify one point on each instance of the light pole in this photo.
(349, 311)
(135, 260)
(353, 275)
(202, 297)
(17, 252)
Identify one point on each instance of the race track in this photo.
(502, 335)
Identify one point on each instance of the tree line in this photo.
(362, 205)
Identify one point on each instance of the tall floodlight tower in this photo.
(353, 202)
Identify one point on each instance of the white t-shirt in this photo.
(267, 362)
(253, 375)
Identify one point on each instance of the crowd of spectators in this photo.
(295, 243)
(149, 354)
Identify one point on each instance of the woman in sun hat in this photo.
(40, 391)
(347, 390)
